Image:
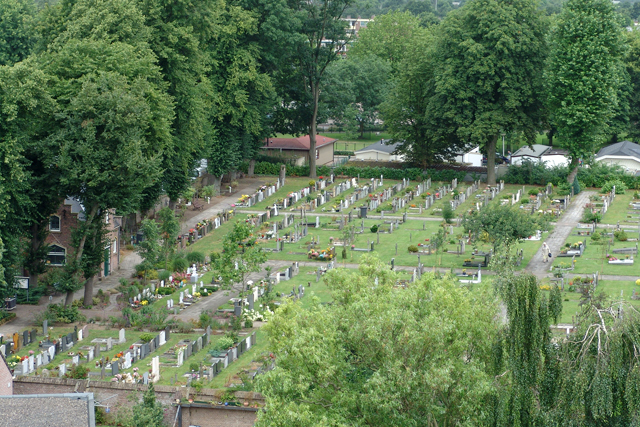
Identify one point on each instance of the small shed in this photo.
(625, 153)
(472, 157)
(380, 151)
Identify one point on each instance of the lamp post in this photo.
(503, 144)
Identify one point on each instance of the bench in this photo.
(197, 205)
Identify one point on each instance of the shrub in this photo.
(78, 372)
(164, 275)
(146, 337)
(248, 323)
(621, 187)
(591, 217)
(620, 235)
(60, 313)
(180, 265)
(413, 249)
(447, 213)
(195, 257)
(214, 256)
(374, 229)
(533, 192)
(223, 343)
(165, 291)
(208, 191)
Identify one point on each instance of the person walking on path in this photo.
(546, 252)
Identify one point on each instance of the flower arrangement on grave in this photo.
(71, 353)
(638, 282)
(197, 294)
(243, 198)
(13, 361)
(144, 302)
(612, 258)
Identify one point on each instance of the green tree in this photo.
(584, 75)
(389, 37)
(17, 33)
(149, 412)
(632, 63)
(113, 120)
(374, 358)
(150, 248)
(490, 56)
(317, 36)
(169, 230)
(502, 224)
(360, 82)
(240, 256)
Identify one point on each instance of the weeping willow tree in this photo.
(598, 375)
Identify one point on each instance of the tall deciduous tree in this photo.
(584, 75)
(317, 36)
(376, 357)
(114, 118)
(169, 230)
(490, 56)
(17, 33)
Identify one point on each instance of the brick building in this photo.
(6, 379)
(59, 239)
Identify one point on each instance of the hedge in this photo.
(414, 174)
(596, 175)
(344, 153)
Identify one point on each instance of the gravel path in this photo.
(561, 231)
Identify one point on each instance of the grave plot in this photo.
(460, 197)
(598, 207)
(603, 250)
(625, 209)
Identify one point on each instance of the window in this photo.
(56, 255)
(54, 223)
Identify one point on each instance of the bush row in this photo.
(596, 175)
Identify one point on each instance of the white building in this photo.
(380, 152)
(625, 154)
(540, 153)
(472, 157)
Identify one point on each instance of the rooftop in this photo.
(624, 149)
(297, 143)
(382, 146)
(536, 150)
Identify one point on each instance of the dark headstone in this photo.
(152, 346)
(32, 336)
(25, 338)
(167, 333)
(96, 351)
(115, 368)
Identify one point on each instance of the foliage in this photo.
(149, 412)
(17, 35)
(150, 247)
(240, 255)
(180, 264)
(146, 337)
(63, 314)
(584, 74)
(195, 257)
(412, 248)
(502, 224)
(223, 343)
(488, 75)
(620, 235)
(78, 372)
(374, 228)
(447, 213)
(608, 186)
(169, 230)
(371, 354)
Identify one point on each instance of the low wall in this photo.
(117, 396)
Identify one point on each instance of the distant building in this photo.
(625, 154)
(380, 152)
(297, 149)
(540, 153)
(59, 239)
(472, 157)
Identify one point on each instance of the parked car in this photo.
(500, 159)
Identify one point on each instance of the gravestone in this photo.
(155, 368)
(109, 343)
(167, 333)
(25, 338)
(115, 368)
(45, 328)
(62, 370)
(96, 350)
(121, 336)
(162, 340)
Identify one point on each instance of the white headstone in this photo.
(155, 368)
(162, 339)
(181, 297)
(75, 360)
(32, 362)
(121, 337)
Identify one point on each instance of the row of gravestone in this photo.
(187, 348)
(226, 357)
(47, 350)
(138, 351)
(212, 224)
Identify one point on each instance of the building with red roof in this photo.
(298, 149)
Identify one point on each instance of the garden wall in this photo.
(118, 396)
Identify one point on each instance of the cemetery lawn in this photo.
(617, 212)
(594, 258)
(612, 288)
(290, 185)
(229, 375)
(213, 241)
(410, 233)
